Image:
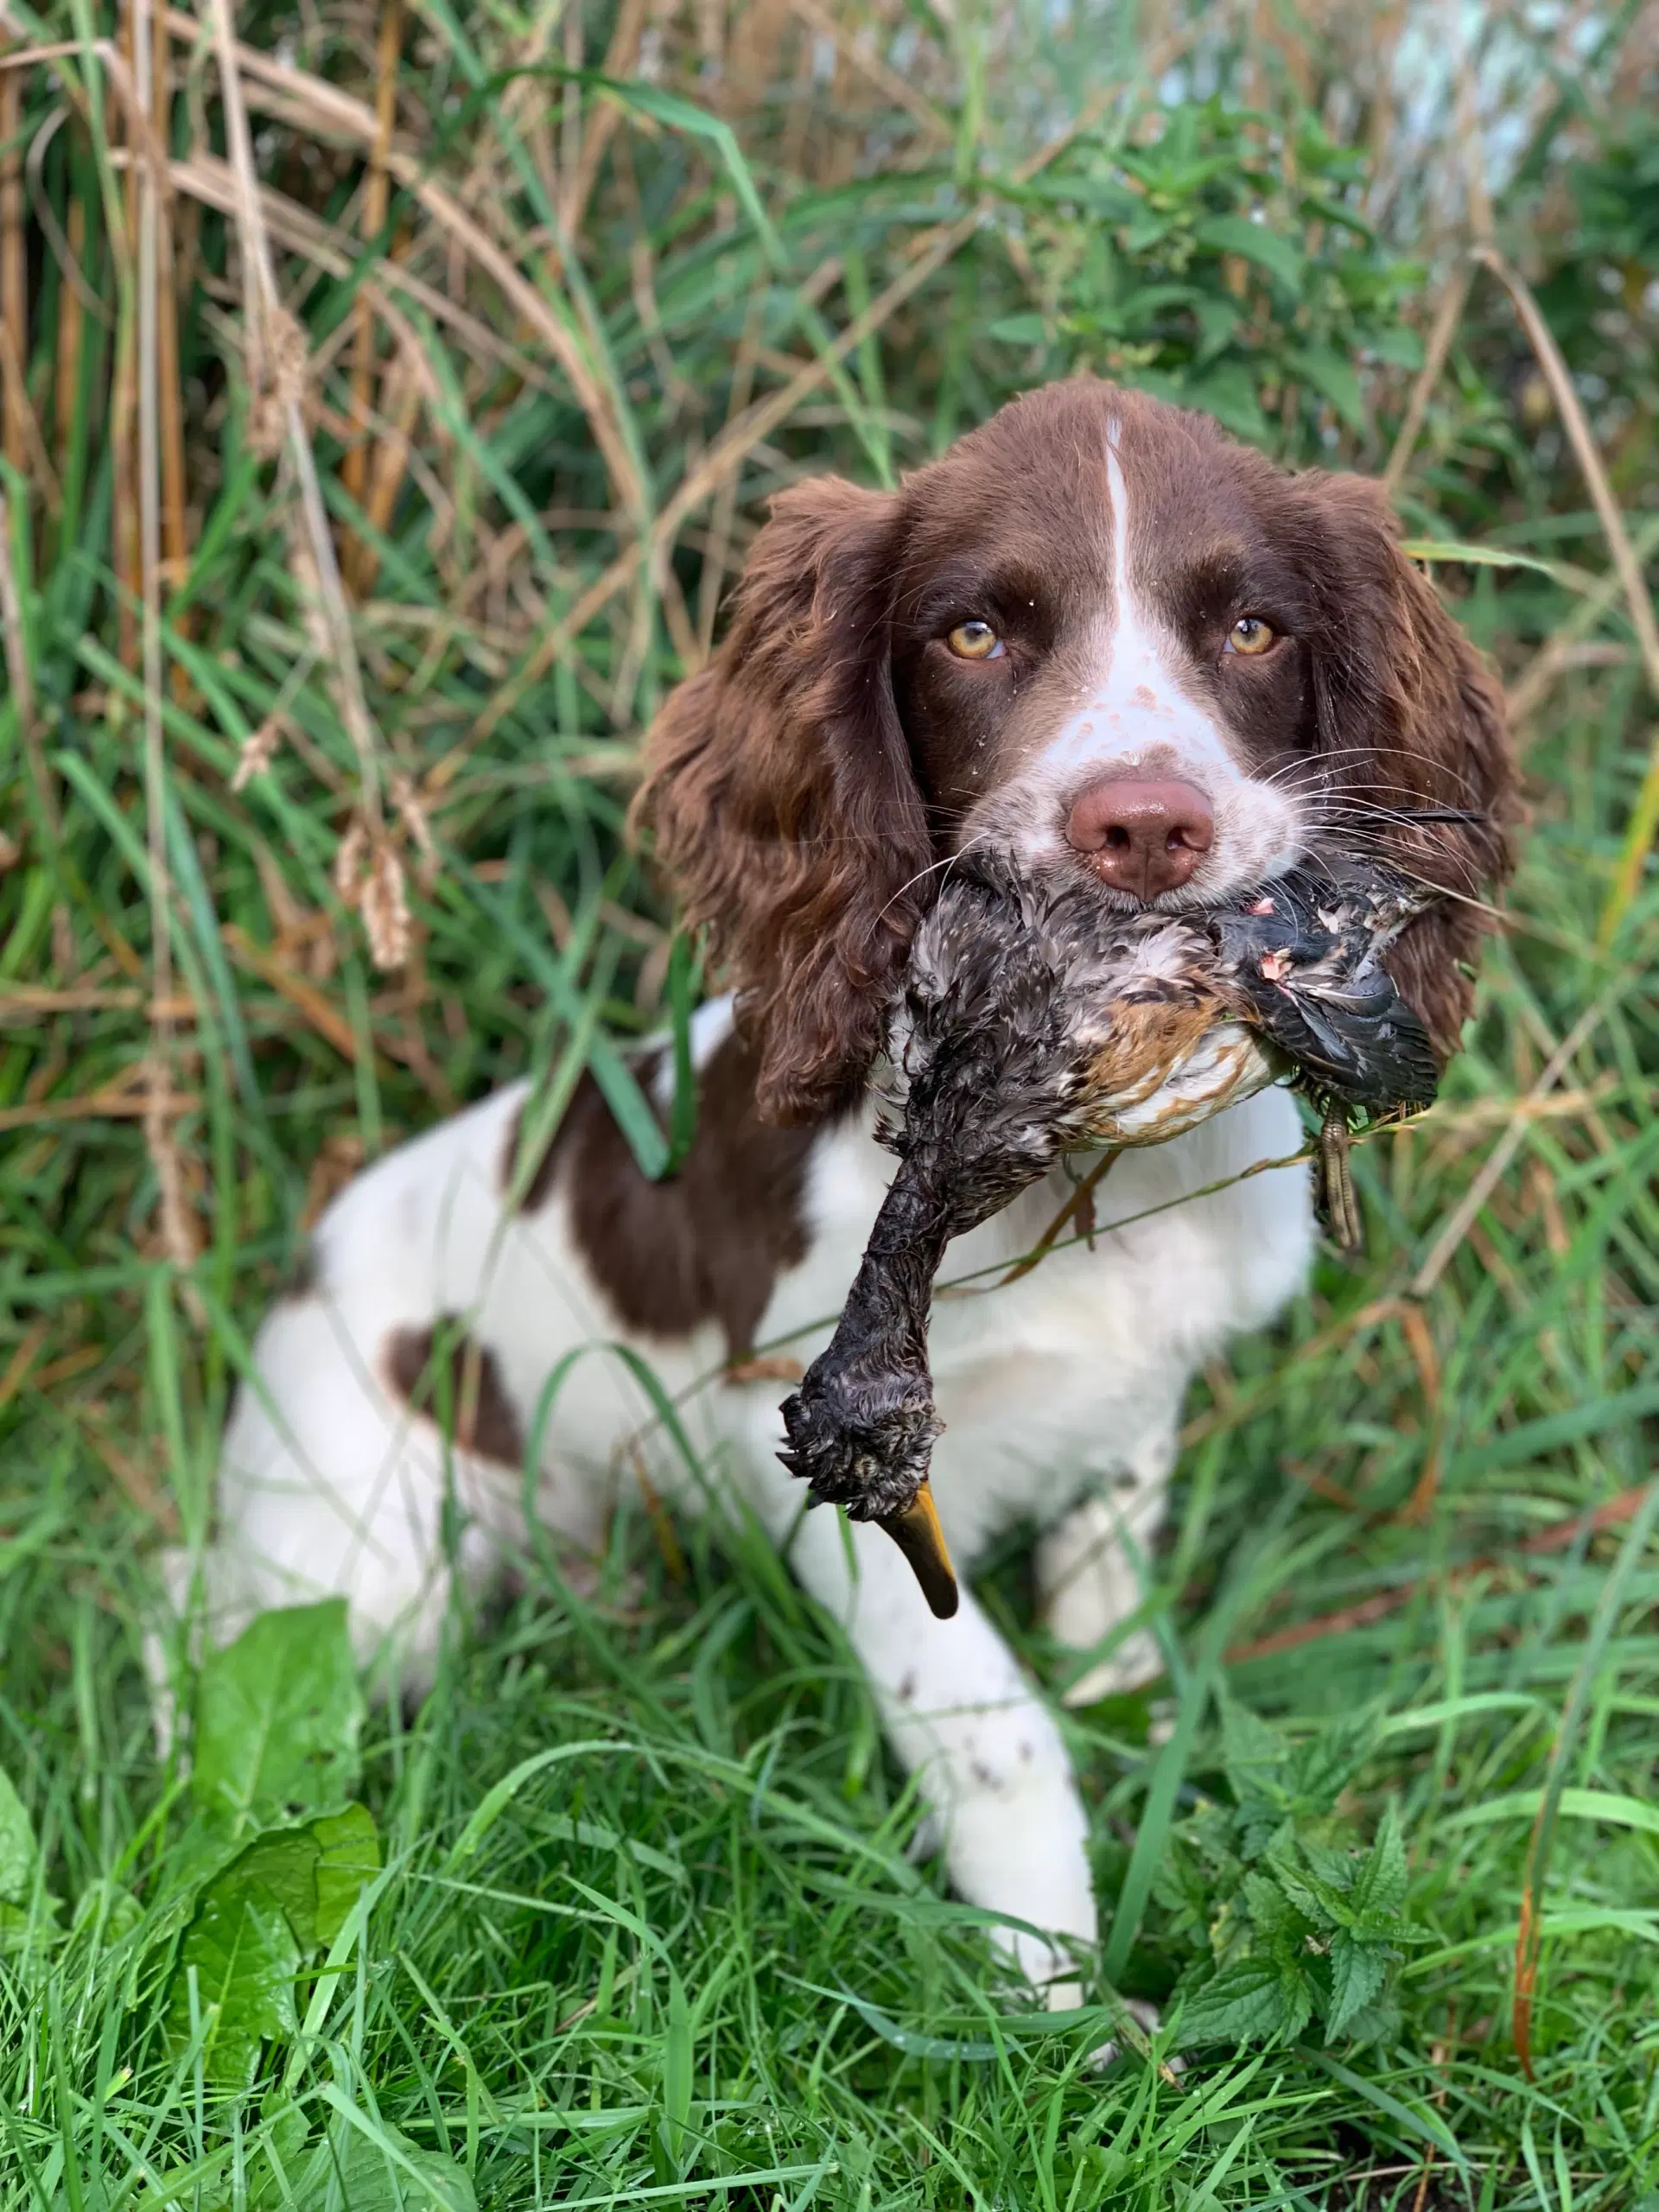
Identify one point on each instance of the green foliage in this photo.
(234, 1980)
(278, 1715)
(1298, 1923)
(1223, 265)
(27, 1908)
(356, 2166)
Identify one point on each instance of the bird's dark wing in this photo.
(1306, 957)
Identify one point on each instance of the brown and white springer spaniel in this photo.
(1098, 634)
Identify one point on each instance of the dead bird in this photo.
(1034, 1023)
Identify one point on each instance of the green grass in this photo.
(649, 1921)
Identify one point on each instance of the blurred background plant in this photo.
(388, 396)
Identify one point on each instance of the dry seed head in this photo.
(258, 752)
(385, 909)
(348, 863)
(412, 814)
(283, 387)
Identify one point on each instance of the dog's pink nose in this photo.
(1143, 838)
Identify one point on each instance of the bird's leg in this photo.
(1338, 1205)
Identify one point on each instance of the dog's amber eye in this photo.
(1251, 634)
(975, 641)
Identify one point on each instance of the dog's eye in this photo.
(975, 641)
(1251, 634)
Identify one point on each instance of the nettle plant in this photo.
(1225, 265)
(1284, 1915)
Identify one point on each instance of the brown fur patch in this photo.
(705, 1245)
(484, 1418)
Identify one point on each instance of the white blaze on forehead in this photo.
(1133, 705)
(1133, 715)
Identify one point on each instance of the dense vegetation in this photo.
(350, 538)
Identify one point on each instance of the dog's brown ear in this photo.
(1411, 721)
(779, 785)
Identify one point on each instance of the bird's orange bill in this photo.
(918, 1536)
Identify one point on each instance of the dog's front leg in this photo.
(991, 1765)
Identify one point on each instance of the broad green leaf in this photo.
(1273, 1912)
(18, 1850)
(1279, 255)
(277, 1717)
(108, 1906)
(1380, 1886)
(1334, 378)
(1019, 330)
(283, 2125)
(348, 1858)
(1217, 315)
(1247, 2002)
(1323, 1764)
(245, 1961)
(1252, 1751)
(1358, 1972)
(24, 1914)
(1228, 392)
(365, 2166)
(1398, 345)
(1318, 1900)
(281, 1867)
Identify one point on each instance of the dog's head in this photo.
(1102, 635)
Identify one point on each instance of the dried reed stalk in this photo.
(1564, 647)
(210, 182)
(377, 196)
(175, 545)
(723, 459)
(123, 393)
(392, 453)
(1447, 316)
(368, 873)
(14, 282)
(178, 1228)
